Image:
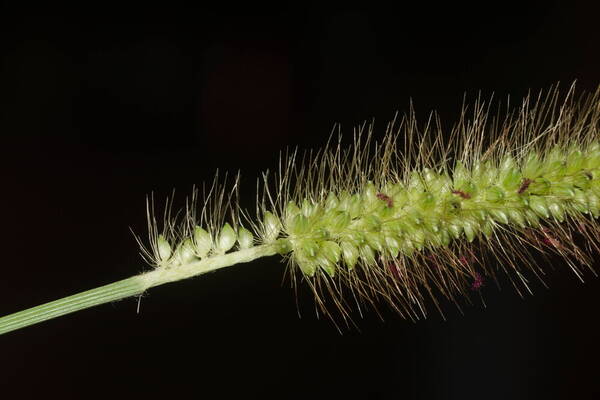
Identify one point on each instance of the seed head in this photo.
(423, 212)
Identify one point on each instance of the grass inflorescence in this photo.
(423, 212)
(419, 215)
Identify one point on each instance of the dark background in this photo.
(102, 106)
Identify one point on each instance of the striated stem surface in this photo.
(129, 287)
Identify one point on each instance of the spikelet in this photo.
(421, 214)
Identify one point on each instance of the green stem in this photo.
(129, 287)
(103, 294)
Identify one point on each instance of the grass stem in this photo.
(128, 287)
